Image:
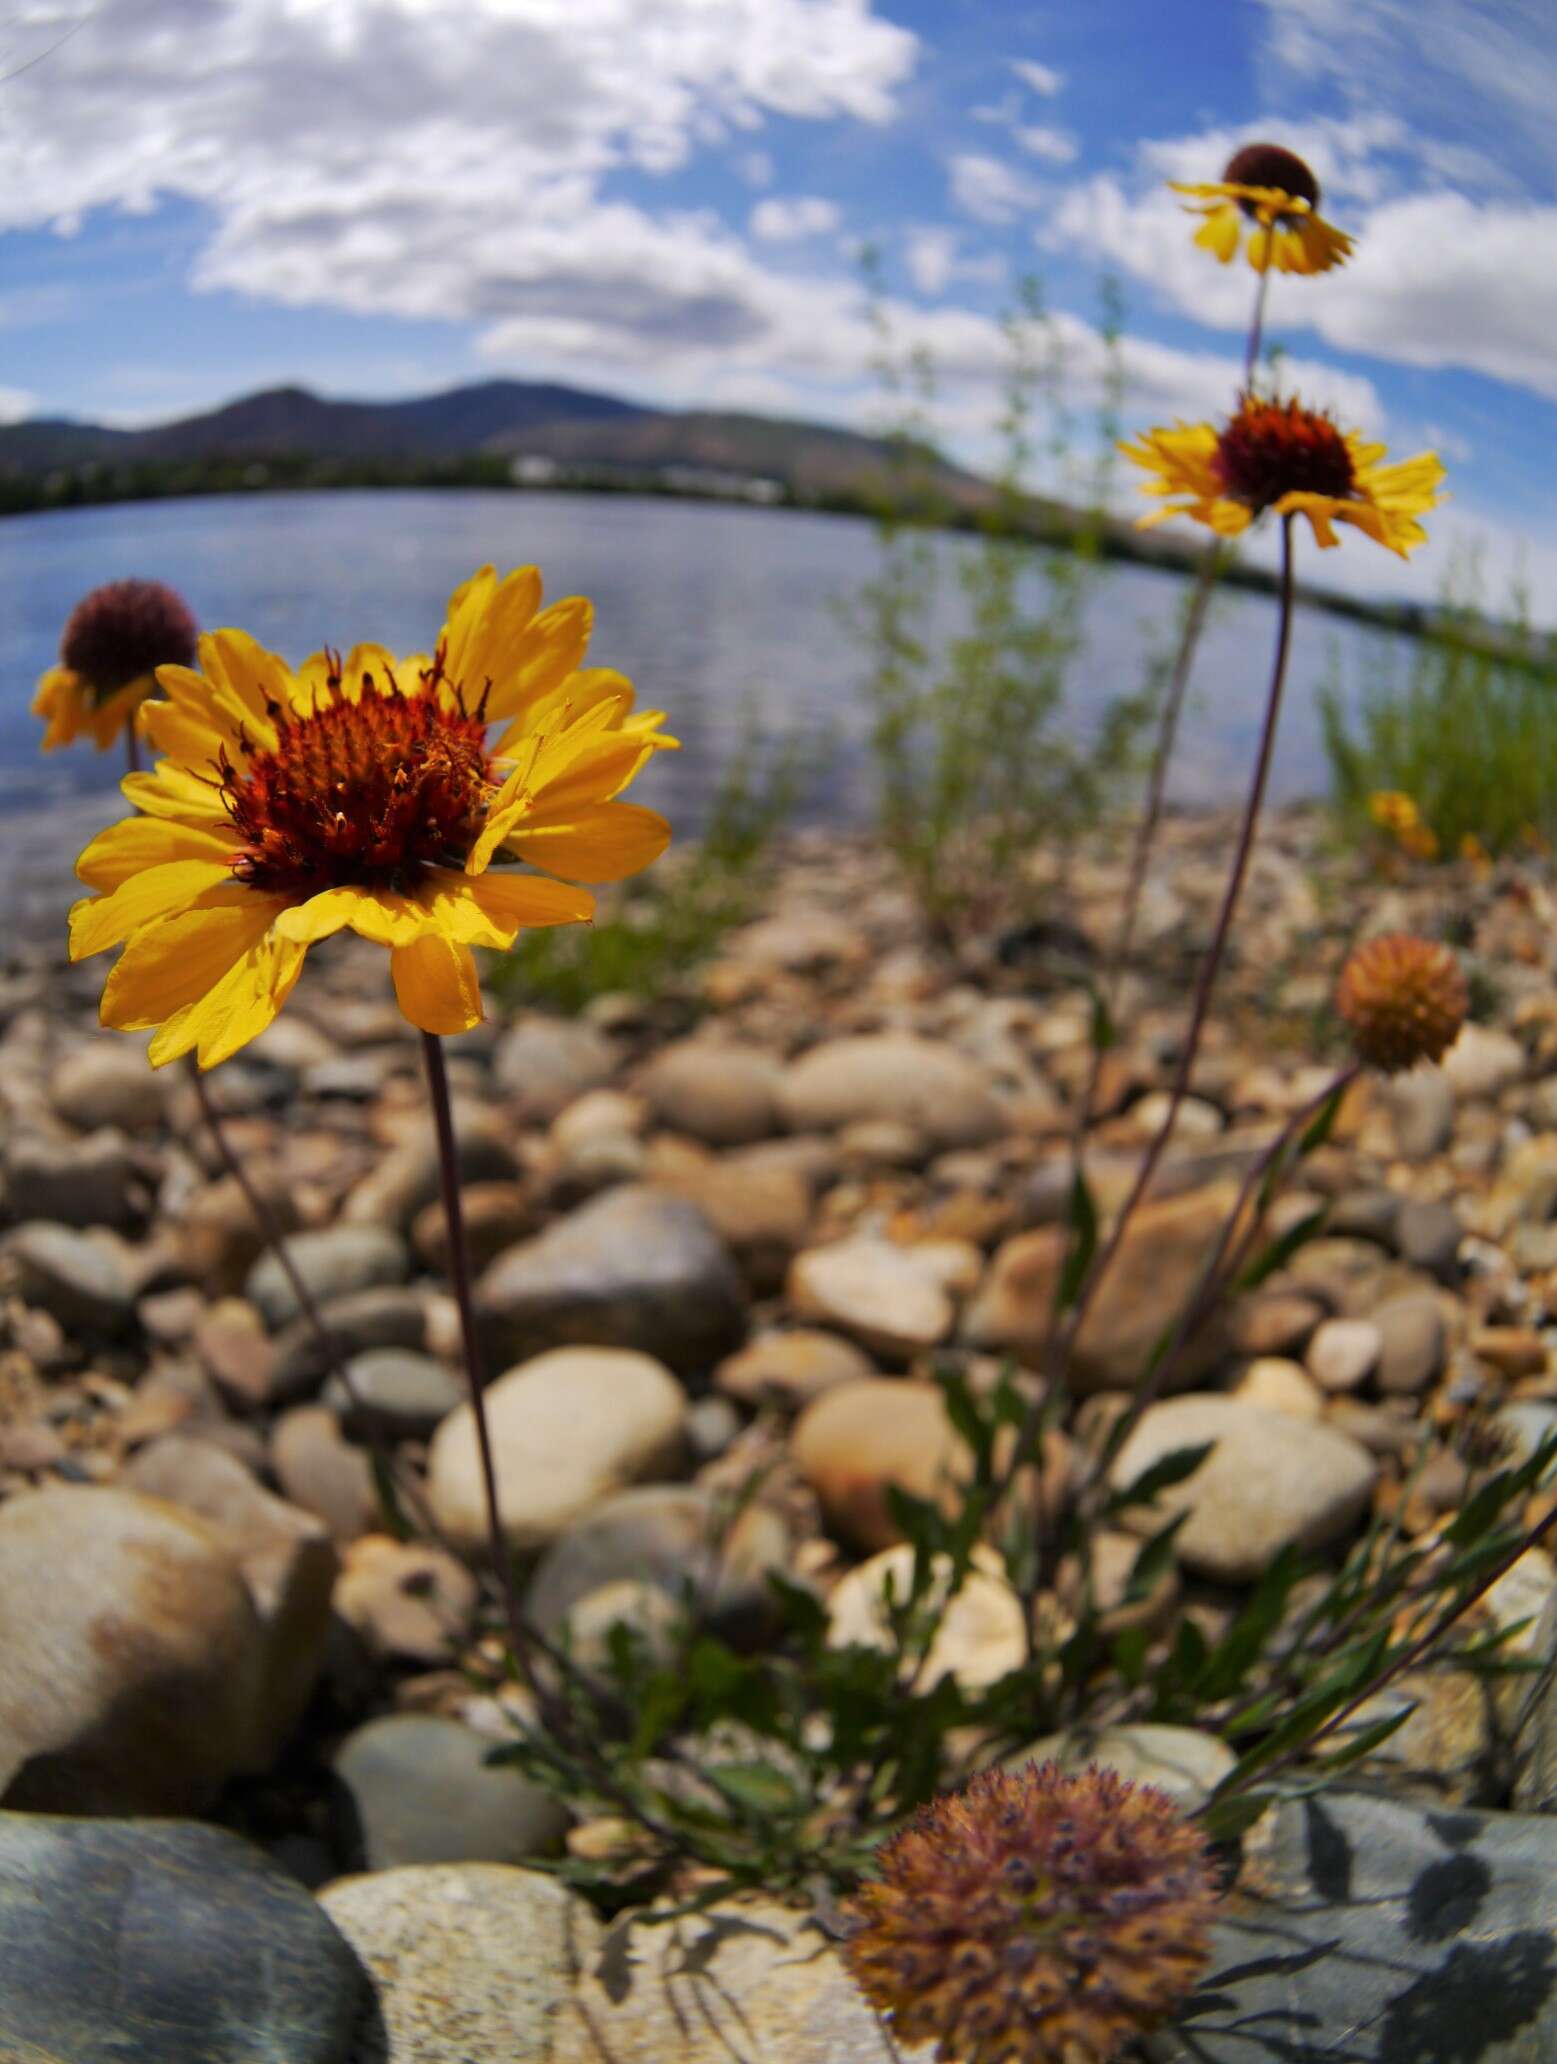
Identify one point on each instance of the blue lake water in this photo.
(714, 611)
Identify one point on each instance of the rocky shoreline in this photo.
(727, 1229)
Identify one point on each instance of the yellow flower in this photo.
(115, 639)
(1393, 810)
(1275, 191)
(1292, 461)
(366, 794)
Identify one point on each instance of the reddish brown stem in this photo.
(1205, 984)
(459, 1275)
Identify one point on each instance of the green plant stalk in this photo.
(459, 1275)
(1064, 1345)
(1421, 1647)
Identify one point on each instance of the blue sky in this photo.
(667, 199)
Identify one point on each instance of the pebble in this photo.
(407, 1600)
(1414, 1342)
(86, 1182)
(332, 1263)
(895, 1076)
(391, 1317)
(1344, 1353)
(543, 1064)
(108, 1083)
(321, 1471)
(873, 1291)
(1428, 1234)
(77, 1278)
(424, 1792)
(1270, 1482)
(982, 1632)
(568, 1429)
(788, 1369)
(401, 1393)
(1280, 1386)
(132, 1655)
(1421, 1103)
(726, 1096)
(471, 1963)
(165, 1940)
(496, 1215)
(1185, 1762)
(1483, 1062)
(632, 1269)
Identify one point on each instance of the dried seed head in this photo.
(124, 630)
(1404, 999)
(1035, 1918)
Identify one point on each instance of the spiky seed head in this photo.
(126, 629)
(1404, 1000)
(1035, 1917)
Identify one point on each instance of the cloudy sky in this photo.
(668, 199)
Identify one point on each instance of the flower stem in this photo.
(1210, 967)
(275, 1243)
(1256, 324)
(459, 1273)
(132, 747)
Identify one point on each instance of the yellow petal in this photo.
(488, 909)
(600, 842)
(376, 914)
(155, 892)
(168, 966)
(522, 669)
(237, 1009)
(435, 984)
(173, 791)
(1218, 234)
(137, 843)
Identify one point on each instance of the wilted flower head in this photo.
(1273, 189)
(1289, 460)
(1404, 999)
(115, 639)
(1035, 1918)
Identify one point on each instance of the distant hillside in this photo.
(509, 421)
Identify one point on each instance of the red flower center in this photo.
(1268, 165)
(1275, 448)
(366, 793)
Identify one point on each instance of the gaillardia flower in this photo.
(1280, 457)
(1403, 999)
(1276, 195)
(1035, 1918)
(114, 641)
(365, 793)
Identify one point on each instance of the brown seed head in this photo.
(1404, 999)
(1035, 1918)
(123, 630)
(1268, 165)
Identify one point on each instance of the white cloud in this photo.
(1437, 279)
(990, 190)
(1052, 145)
(16, 404)
(793, 220)
(935, 258)
(756, 167)
(1041, 77)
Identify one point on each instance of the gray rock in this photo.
(1270, 1481)
(1385, 1934)
(634, 1268)
(1427, 1234)
(332, 1263)
(1344, 1353)
(1422, 1106)
(395, 1390)
(725, 1096)
(472, 1963)
(424, 1792)
(386, 1318)
(108, 1083)
(407, 1179)
(1415, 1341)
(81, 1281)
(322, 1472)
(1522, 1426)
(167, 1941)
(87, 1182)
(873, 1290)
(1185, 1762)
(1483, 1062)
(667, 1535)
(893, 1075)
(543, 1064)
(133, 1655)
(568, 1429)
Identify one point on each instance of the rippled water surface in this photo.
(712, 610)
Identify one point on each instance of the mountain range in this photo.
(510, 422)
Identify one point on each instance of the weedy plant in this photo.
(979, 749)
(1451, 750)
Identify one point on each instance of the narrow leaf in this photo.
(1083, 1242)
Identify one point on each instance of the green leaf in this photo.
(1103, 1033)
(1224, 1820)
(1166, 1471)
(391, 1511)
(755, 1788)
(1130, 1647)
(1153, 1559)
(1083, 1242)
(1281, 1250)
(1355, 1746)
(1322, 1124)
(1244, 1643)
(968, 1422)
(1474, 1517)
(804, 1613)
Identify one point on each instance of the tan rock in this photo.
(874, 1291)
(893, 1075)
(790, 1369)
(981, 1633)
